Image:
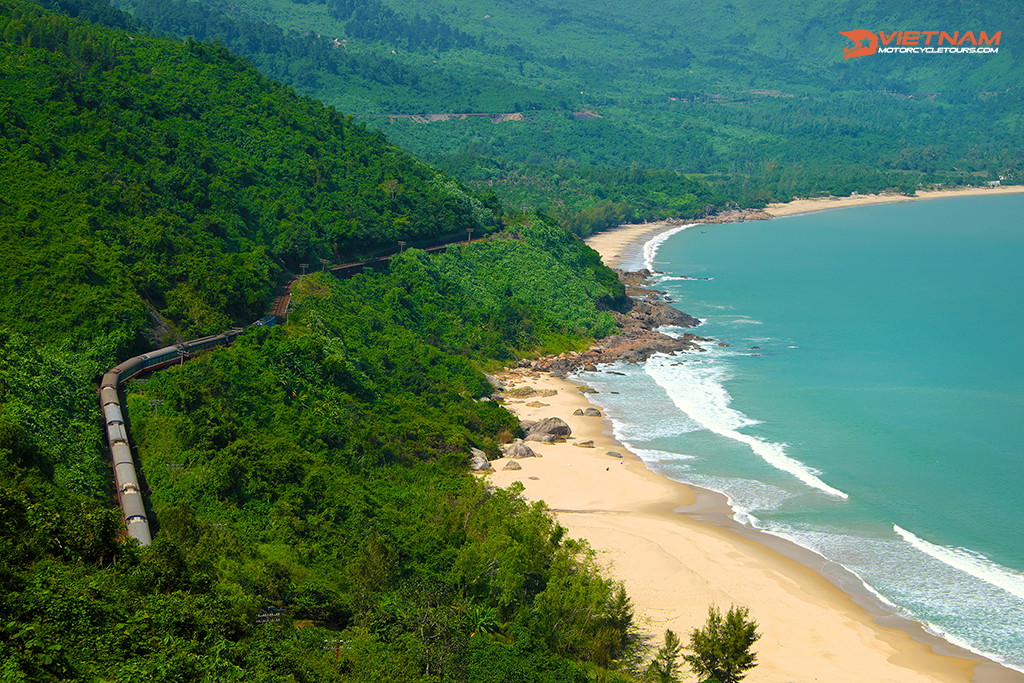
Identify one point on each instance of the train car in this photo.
(112, 414)
(265, 321)
(203, 343)
(126, 478)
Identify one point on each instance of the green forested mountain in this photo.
(173, 175)
(753, 101)
(314, 516)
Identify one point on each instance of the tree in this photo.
(722, 648)
(664, 668)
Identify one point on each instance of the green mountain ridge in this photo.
(752, 102)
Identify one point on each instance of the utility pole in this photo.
(401, 246)
(323, 265)
(155, 404)
(175, 468)
(303, 266)
(271, 616)
(337, 646)
(469, 235)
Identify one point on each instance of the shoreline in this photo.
(626, 242)
(677, 550)
(653, 532)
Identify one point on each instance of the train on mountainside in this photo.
(126, 478)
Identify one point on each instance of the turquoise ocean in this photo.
(869, 404)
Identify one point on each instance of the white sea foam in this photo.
(697, 390)
(969, 562)
(745, 495)
(681, 278)
(652, 245)
(919, 577)
(655, 455)
(673, 331)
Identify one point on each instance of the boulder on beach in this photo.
(585, 444)
(517, 449)
(592, 412)
(478, 460)
(512, 465)
(555, 426)
(578, 411)
(542, 438)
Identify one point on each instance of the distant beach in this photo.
(677, 550)
(627, 240)
(798, 206)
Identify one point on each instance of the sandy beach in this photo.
(822, 203)
(614, 245)
(677, 551)
(674, 566)
(626, 240)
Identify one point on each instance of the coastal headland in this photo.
(677, 550)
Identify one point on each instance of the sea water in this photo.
(864, 397)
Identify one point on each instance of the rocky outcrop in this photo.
(542, 438)
(650, 315)
(529, 392)
(639, 338)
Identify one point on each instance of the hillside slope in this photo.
(139, 171)
(314, 516)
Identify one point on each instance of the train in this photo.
(126, 477)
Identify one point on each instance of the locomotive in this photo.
(126, 479)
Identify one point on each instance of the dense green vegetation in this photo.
(314, 515)
(739, 101)
(146, 173)
(314, 474)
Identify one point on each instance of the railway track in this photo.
(126, 479)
